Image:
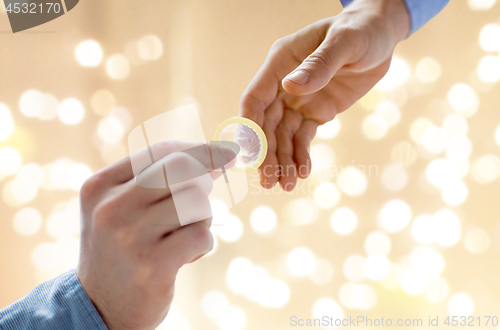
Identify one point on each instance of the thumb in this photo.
(316, 71)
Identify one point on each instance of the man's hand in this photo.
(312, 75)
(132, 244)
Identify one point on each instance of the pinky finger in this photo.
(302, 141)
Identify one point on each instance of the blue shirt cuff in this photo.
(58, 304)
(421, 11)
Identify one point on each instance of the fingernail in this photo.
(300, 77)
(223, 152)
(228, 153)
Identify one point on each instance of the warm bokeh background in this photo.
(419, 235)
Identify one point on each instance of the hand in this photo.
(312, 75)
(132, 244)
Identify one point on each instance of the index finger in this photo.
(261, 92)
(131, 166)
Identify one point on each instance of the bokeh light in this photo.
(477, 240)
(328, 130)
(481, 4)
(375, 126)
(150, 48)
(352, 181)
(460, 304)
(71, 111)
(49, 111)
(323, 272)
(255, 283)
(404, 153)
(463, 99)
(394, 216)
(326, 195)
(389, 111)
(398, 73)
(486, 169)
(32, 103)
(434, 139)
(428, 70)
(354, 268)
(27, 221)
(377, 242)
(422, 267)
(301, 211)
(422, 229)
(214, 304)
(440, 172)
(6, 123)
(437, 290)
(10, 161)
(118, 67)
(232, 230)
(110, 130)
(448, 228)
(329, 307)
(263, 220)
(376, 267)
(358, 296)
(418, 128)
(234, 318)
(455, 193)
(459, 148)
(489, 38)
(322, 156)
(497, 135)
(488, 69)
(301, 261)
(343, 221)
(455, 124)
(46, 256)
(394, 177)
(102, 102)
(393, 280)
(89, 53)
(240, 274)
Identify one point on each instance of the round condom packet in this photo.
(251, 139)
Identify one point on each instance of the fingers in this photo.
(189, 206)
(285, 135)
(186, 244)
(123, 170)
(269, 169)
(264, 87)
(317, 69)
(302, 142)
(166, 177)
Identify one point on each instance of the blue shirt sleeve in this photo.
(421, 11)
(58, 304)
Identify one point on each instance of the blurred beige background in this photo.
(416, 237)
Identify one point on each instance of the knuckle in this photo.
(198, 195)
(185, 163)
(90, 187)
(202, 237)
(319, 58)
(278, 44)
(105, 214)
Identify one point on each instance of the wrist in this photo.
(394, 14)
(398, 16)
